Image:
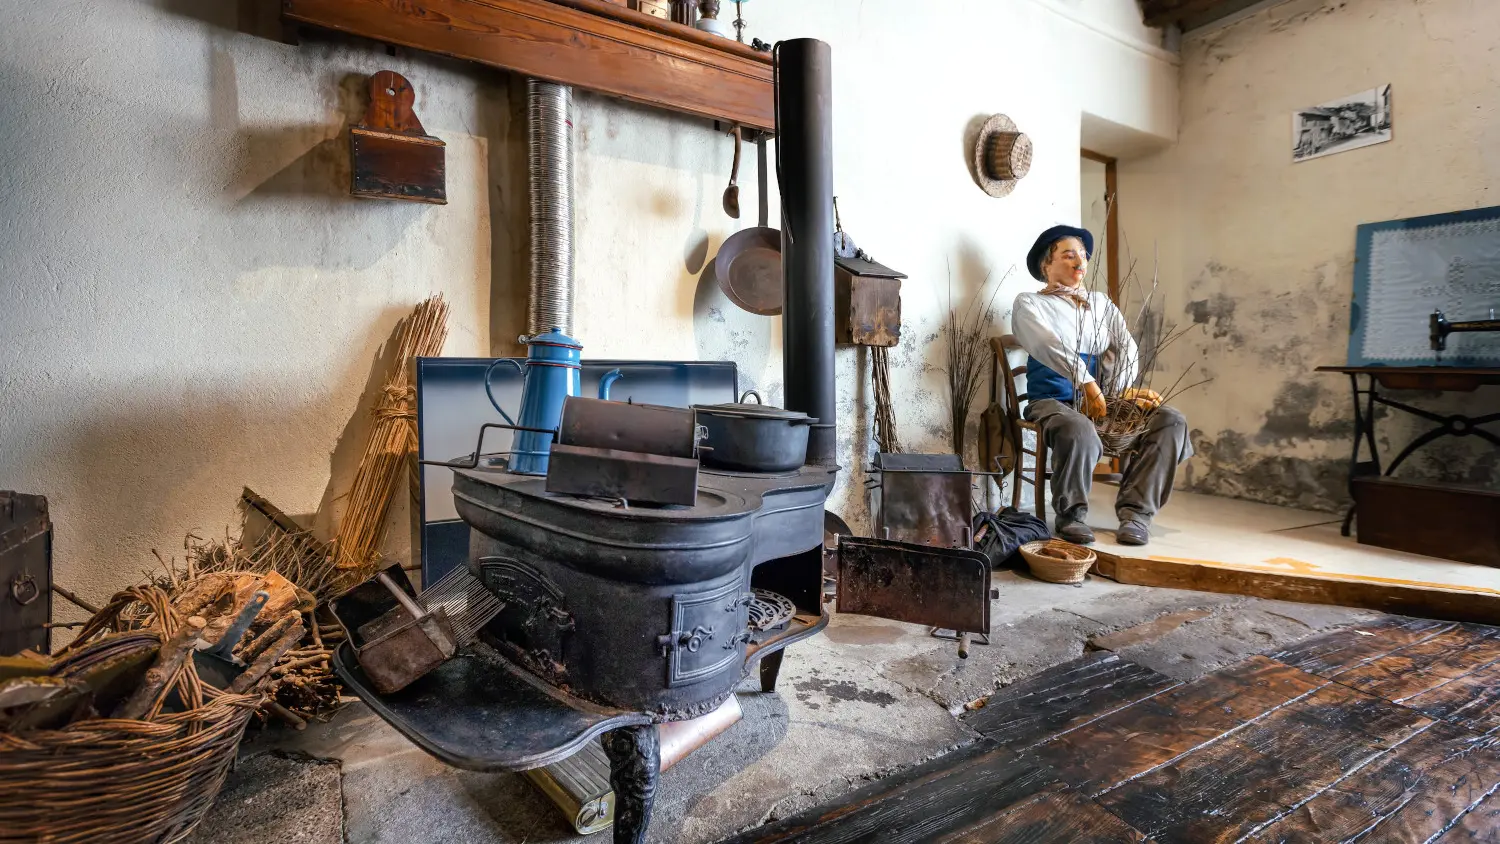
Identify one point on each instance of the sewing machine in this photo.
(1440, 328)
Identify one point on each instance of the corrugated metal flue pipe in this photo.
(549, 162)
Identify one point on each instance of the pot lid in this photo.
(752, 409)
(554, 337)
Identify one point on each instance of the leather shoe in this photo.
(1074, 531)
(1132, 532)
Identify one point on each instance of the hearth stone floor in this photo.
(865, 699)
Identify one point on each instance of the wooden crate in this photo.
(1439, 520)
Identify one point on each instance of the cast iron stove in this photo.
(616, 618)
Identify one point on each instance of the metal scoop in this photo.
(216, 663)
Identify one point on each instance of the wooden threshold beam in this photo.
(1422, 601)
(601, 49)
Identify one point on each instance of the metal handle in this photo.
(406, 601)
(489, 389)
(241, 623)
(748, 393)
(473, 461)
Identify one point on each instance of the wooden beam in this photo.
(1163, 12)
(571, 42)
(1393, 597)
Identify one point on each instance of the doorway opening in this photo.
(1100, 210)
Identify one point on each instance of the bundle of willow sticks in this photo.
(393, 440)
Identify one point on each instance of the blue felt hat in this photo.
(1051, 236)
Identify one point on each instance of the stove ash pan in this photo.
(672, 650)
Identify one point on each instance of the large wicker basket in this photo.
(1056, 561)
(112, 780)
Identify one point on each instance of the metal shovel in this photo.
(216, 663)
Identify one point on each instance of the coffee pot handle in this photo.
(489, 390)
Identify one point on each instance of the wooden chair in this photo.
(1003, 392)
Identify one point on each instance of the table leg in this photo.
(770, 668)
(634, 765)
(1364, 424)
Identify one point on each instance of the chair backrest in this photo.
(1003, 378)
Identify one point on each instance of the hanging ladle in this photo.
(732, 193)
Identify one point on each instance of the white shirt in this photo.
(1055, 332)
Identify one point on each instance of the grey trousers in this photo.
(1075, 450)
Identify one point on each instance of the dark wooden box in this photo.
(25, 573)
(1451, 522)
(866, 303)
(386, 165)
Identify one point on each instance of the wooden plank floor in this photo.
(1382, 733)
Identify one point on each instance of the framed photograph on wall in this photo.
(1340, 125)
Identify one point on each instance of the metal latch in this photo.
(682, 640)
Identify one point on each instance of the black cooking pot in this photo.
(744, 437)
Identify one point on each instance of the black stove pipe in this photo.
(804, 172)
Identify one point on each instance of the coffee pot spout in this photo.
(608, 381)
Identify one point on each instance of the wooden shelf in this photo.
(585, 43)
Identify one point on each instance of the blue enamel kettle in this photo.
(551, 374)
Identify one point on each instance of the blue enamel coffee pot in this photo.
(551, 374)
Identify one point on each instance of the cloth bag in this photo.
(1006, 532)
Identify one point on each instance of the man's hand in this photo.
(1143, 398)
(1093, 401)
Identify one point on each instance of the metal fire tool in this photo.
(216, 663)
(396, 639)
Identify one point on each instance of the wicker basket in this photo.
(111, 780)
(1056, 561)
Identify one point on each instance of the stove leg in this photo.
(634, 764)
(770, 667)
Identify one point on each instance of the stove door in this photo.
(708, 635)
(939, 587)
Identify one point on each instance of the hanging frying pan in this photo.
(748, 266)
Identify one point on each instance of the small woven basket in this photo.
(1056, 561)
(1122, 426)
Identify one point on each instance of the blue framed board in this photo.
(1406, 269)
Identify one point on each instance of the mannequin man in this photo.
(1067, 331)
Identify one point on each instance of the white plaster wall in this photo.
(909, 87)
(1258, 251)
(193, 304)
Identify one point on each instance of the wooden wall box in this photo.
(1454, 523)
(866, 303)
(390, 155)
(25, 572)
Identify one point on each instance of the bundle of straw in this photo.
(966, 335)
(393, 438)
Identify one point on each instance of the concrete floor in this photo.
(864, 699)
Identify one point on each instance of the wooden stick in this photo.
(174, 651)
(295, 664)
(287, 715)
(262, 666)
(81, 603)
(260, 643)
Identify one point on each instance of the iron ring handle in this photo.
(749, 393)
(489, 388)
(19, 584)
